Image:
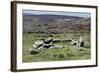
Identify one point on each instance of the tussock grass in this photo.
(69, 52)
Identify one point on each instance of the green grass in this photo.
(69, 52)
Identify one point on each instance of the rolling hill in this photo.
(55, 23)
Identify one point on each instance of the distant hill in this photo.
(55, 23)
(49, 18)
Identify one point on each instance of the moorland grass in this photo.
(69, 52)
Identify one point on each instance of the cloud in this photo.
(65, 13)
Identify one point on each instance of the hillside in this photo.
(55, 23)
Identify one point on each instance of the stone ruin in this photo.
(49, 44)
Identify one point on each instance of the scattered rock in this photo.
(33, 51)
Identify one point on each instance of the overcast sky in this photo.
(38, 12)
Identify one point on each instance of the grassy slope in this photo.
(69, 52)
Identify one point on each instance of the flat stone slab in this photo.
(33, 51)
